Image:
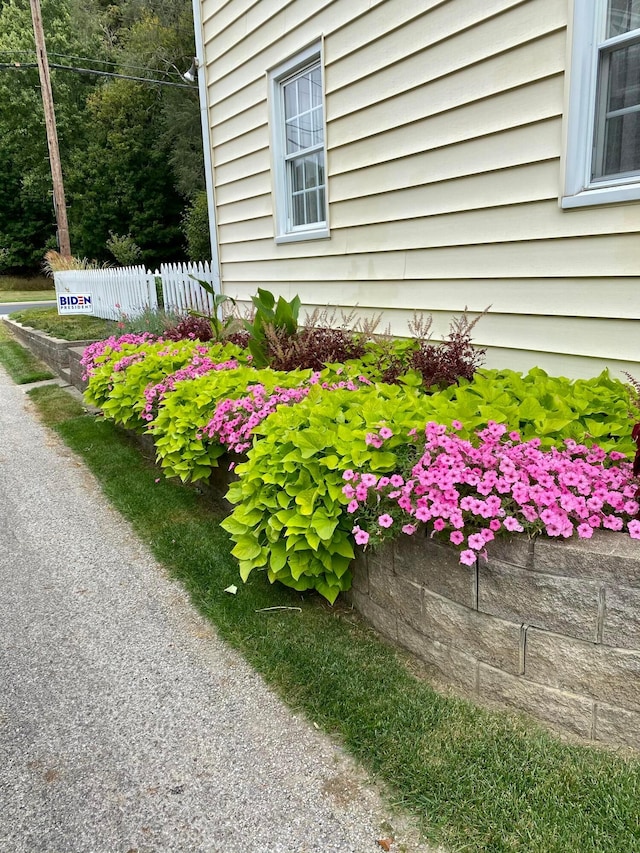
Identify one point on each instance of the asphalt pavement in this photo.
(10, 307)
(126, 724)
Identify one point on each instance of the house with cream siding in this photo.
(433, 155)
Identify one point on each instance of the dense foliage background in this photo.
(131, 152)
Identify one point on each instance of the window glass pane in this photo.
(315, 80)
(290, 100)
(311, 207)
(622, 16)
(293, 138)
(304, 94)
(297, 217)
(311, 172)
(624, 78)
(297, 175)
(303, 111)
(306, 136)
(316, 124)
(622, 144)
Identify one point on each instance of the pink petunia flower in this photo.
(585, 531)
(362, 537)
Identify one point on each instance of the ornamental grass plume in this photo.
(469, 493)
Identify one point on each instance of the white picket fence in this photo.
(180, 288)
(129, 291)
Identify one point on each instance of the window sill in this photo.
(602, 195)
(299, 236)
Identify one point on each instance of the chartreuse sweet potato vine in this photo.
(120, 376)
(182, 448)
(290, 517)
(290, 514)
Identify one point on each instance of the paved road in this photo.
(125, 723)
(10, 307)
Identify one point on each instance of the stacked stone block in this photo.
(548, 627)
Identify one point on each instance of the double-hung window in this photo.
(298, 148)
(603, 139)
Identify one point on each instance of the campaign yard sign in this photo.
(75, 303)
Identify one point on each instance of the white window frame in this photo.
(286, 232)
(580, 189)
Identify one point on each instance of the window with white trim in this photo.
(603, 138)
(298, 148)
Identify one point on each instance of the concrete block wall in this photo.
(548, 627)
(53, 351)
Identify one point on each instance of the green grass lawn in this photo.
(26, 295)
(22, 283)
(69, 327)
(20, 364)
(476, 780)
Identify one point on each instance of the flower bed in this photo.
(440, 478)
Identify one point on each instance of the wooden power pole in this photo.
(60, 204)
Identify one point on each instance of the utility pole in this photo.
(60, 204)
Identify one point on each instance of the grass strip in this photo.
(21, 365)
(476, 780)
(28, 283)
(72, 327)
(26, 295)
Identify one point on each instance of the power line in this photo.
(30, 54)
(110, 62)
(91, 71)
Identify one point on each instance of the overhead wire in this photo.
(31, 56)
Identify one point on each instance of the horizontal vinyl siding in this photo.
(444, 137)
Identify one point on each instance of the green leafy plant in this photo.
(195, 227)
(121, 375)
(124, 249)
(183, 450)
(280, 316)
(221, 326)
(290, 517)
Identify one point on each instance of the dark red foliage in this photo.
(312, 347)
(441, 364)
(635, 435)
(189, 328)
(240, 338)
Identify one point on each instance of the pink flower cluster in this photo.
(504, 484)
(199, 366)
(94, 351)
(234, 420)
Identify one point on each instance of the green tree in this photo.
(27, 223)
(131, 153)
(119, 181)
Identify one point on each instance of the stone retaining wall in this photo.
(53, 351)
(548, 627)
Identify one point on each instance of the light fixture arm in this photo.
(192, 74)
